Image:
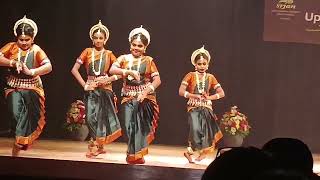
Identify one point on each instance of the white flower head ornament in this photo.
(100, 27)
(25, 20)
(139, 30)
(199, 51)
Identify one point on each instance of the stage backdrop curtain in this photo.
(276, 84)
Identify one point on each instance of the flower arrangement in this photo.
(235, 123)
(75, 116)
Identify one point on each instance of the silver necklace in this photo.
(203, 82)
(25, 58)
(97, 73)
(131, 59)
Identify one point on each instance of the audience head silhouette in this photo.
(237, 163)
(290, 154)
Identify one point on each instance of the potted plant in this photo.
(235, 127)
(75, 121)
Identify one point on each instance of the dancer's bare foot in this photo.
(188, 156)
(101, 151)
(91, 147)
(201, 157)
(16, 149)
(94, 150)
(137, 161)
(98, 151)
(90, 155)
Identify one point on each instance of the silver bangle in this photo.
(33, 71)
(85, 86)
(186, 94)
(11, 63)
(124, 71)
(151, 87)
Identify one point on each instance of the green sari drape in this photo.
(204, 131)
(101, 115)
(26, 107)
(140, 122)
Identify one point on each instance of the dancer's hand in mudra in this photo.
(19, 66)
(89, 86)
(206, 96)
(134, 74)
(26, 70)
(198, 96)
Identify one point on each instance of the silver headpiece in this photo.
(199, 51)
(99, 26)
(140, 30)
(26, 21)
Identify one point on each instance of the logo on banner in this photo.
(286, 1)
(314, 19)
(311, 17)
(286, 4)
(292, 21)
